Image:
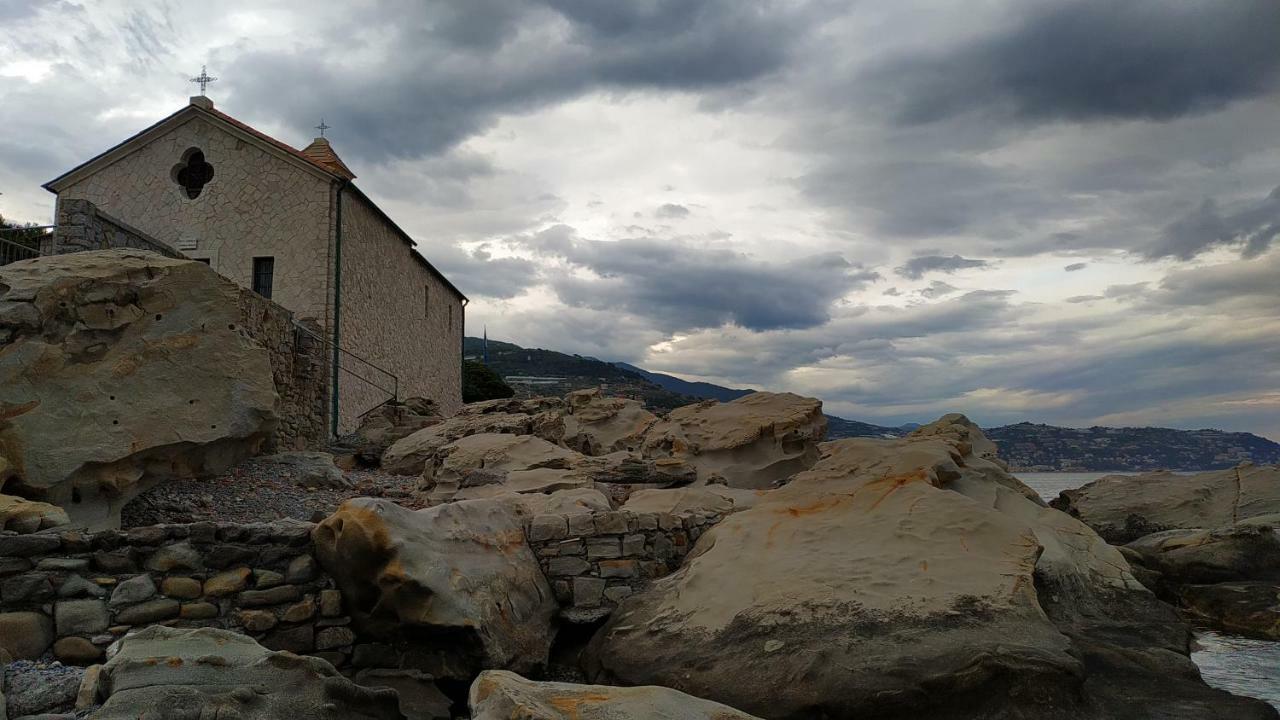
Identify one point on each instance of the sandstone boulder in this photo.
(28, 516)
(459, 580)
(163, 672)
(309, 469)
(752, 442)
(598, 425)
(563, 502)
(514, 406)
(120, 369)
(909, 578)
(679, 501)
(519, 463)
(1198, 557)
(389, 423)
(499, 695)
(1123, 508)
(410, 455)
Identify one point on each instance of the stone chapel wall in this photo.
(257, 205)
(396, 314)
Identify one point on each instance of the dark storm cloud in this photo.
(682, 285)
(478, 274)
(918, 267)
(444, 70)
(1073, 267)
(1095, 60)
(1254, 282)
(1254, 225)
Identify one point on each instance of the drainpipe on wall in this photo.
(337, 312)
(462, 342)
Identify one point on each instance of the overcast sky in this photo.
(1060, 211)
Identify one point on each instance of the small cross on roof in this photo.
(203, 80)
(322, 127)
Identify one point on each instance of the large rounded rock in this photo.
(163, 672)
(499, 695)
(751, 442)
(459, 580)
(1235, 552)
(120, 369)
(598, 425)
(411, 455)
(909, 578)
(28, 516)
(25, 635)
(1123, 508)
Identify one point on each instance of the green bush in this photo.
(481, 383)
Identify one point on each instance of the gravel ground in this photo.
(40, 687)
(258, 492)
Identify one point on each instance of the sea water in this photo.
(1237, 664)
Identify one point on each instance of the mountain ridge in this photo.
(1026, 446)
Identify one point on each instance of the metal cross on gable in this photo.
(322, 127)
(203, 79)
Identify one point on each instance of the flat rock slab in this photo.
(498, 695)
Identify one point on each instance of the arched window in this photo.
(193, 173)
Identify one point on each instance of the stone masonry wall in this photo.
(594, 560)
(396, 314)
(257, 205)
(299, 368)
(82, 226)
(81, 592)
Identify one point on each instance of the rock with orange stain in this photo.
(752, 442)
(499, 695)
(459, 580)
(907, 577)
(28, 516)
(162, 672)
(120, 369)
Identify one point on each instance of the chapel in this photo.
(294, 226)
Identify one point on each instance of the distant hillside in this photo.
(685, 387)
(1025, 446)
(534, 371)
(1031, 447)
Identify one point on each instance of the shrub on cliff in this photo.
(481, 383)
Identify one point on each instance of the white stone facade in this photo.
(257, 205)
(264, 201)
(391, 300)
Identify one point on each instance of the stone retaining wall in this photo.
(82, 226)
(594, 560)
(80, 592)
(299, 369)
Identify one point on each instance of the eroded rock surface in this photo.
(1123, 508)
(411, 454)
(599, 425)
(752, 442)
(909, 578)
(181, 674)
(457, 580)
(498, 695)
(120, 368)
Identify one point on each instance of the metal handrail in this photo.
(393, 391)
(11, 251)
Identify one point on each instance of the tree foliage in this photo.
(481, 383)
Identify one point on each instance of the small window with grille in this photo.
(263, 270)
